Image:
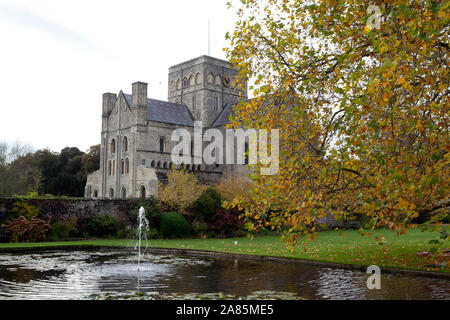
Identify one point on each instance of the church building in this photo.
(135, 152)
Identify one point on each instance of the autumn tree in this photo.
(233, 186)
(181, 190)
(361, 98)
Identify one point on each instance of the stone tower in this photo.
(206, 86)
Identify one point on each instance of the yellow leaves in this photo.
(367, 28)
(402, 81)
(383, 47)
(419, 125)
(181, 190)
(412, 24)
(376, 135)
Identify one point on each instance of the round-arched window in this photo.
(216, 103)
(143, 192)
(194, 102)
(125, 144)
(113, 146)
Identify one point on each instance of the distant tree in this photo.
(23, 171)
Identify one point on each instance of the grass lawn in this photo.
(347, 247)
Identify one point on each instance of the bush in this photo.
(174, 225)
(199, 228)
(224, 222)
(128, 232)
(23, 230)
(61, 230)
(155, 220)
(103, 226)
(208, 202)
(151, 205)
(22, 208)
(355, 225)
(153, 233)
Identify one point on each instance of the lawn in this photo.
(347, 247)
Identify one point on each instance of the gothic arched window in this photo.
(185, 82)
(127, 166)
(111, 193)
(109, 168)
(124, 193)
(191, 81)
(197, 78)
(122, 166)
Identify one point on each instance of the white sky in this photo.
(57, 58)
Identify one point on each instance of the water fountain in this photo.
(142, 235)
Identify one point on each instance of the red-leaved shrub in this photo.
(23, 230)
(224, 222)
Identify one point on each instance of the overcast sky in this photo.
(58, 57)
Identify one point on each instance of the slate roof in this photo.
(224, 116)
(167, 112)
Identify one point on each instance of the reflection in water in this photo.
(78, 274)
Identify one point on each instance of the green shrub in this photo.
(446, 219)
(352, 225)
(206, 205)
(151, 205)
(174, 225)
(61, 230)
(153, 233)
(127, 232)
(23, 230)
(155, 220)
(199, 228)
(103, 226)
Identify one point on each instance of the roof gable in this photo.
(166, 112)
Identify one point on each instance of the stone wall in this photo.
(82, 209)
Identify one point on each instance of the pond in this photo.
(88, 274)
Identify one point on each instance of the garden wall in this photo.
(53, 210)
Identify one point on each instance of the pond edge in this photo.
(216, 254)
